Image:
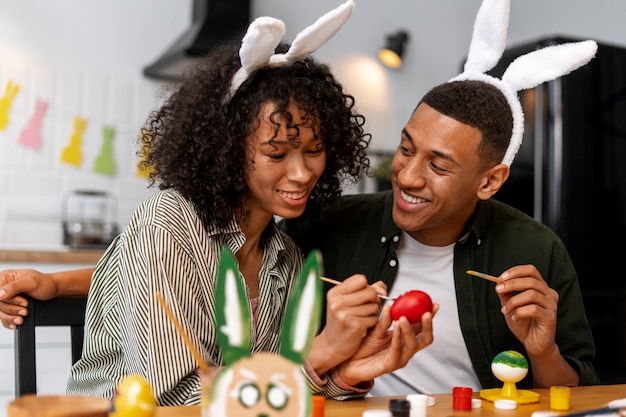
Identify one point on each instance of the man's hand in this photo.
(530, 310)
(529, 307)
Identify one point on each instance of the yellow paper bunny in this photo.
(5, 103)
(72, 153)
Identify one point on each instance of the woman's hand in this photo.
(351, 310)
(385, 350)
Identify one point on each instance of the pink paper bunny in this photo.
(31, 134)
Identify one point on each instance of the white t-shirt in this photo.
(445, 363)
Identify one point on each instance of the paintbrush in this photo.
(483, 276)
(335, 282)
(181, 331)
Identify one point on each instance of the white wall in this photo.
(86, 58)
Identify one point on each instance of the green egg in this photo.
(511, 358)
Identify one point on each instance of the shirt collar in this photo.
(478, 222)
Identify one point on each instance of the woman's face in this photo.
(286, 160)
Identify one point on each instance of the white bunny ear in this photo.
(316, 35)
(257, 46)
(530, 70)
(265, 33)
(489, 36)
(534, 68)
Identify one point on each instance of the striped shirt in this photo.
(166, 248)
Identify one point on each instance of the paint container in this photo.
(399, 407)
(559, 398)
(319, 404)
(462, 398)
(419, 404)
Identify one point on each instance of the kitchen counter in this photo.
(62, 255)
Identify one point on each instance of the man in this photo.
(439, 221)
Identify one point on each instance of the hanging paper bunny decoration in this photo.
(264, 384)
(72, 153)
(31, 134)
(105, 161)
(527, 71)
(265, 33)
(10, 92)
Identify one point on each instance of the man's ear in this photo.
(492, 181)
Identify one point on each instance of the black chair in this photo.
(55, 312)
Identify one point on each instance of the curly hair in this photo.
(195, 142)
(480, 105)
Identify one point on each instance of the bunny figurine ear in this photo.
(303, 311)
(265, 33)
(232, 310)
(528, 71)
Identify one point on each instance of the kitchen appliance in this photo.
(89, 219)
(570, 174)
(213, 22)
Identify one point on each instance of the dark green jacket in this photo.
(359, 236)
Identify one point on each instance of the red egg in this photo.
(412, 305)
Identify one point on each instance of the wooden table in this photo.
(583, 398)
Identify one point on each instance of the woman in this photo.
(226, 164)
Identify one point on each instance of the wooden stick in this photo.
(483, 276)
(335, 282)
(179, 327)
(330, 280)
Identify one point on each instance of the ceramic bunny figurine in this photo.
(527, 71)
(264, 384)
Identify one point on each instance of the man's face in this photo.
(436, 175)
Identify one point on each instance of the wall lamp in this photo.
(391, 53)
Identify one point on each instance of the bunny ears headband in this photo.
(527, 71)
(265, 33)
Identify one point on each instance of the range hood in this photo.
(213, 22)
